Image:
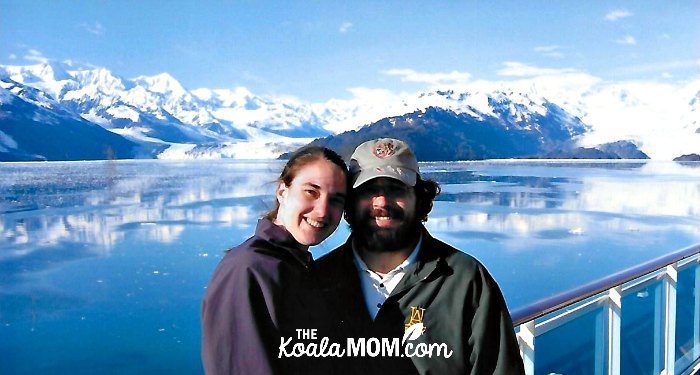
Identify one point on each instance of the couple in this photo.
(390, 277)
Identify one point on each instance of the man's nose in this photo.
(379, 199)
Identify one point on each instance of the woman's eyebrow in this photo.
(318, 187)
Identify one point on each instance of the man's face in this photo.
(382, 215)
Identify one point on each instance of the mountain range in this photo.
(62, 111)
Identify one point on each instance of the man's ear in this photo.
(346, 212)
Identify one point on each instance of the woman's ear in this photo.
(282, 190)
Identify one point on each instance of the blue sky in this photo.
(317, 50)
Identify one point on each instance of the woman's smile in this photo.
(316, 224)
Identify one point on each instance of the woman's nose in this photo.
(321, 207)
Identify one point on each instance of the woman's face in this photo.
(312, 205)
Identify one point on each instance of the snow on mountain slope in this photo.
(29, 94)
(49, 77)
(284, 116)
(149, 103)
(162, 83)
(33, 126)
(7, 143)
(118, 103)
(661, 118)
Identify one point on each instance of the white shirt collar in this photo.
(362, 266)
(376, 289)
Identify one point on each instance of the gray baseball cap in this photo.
(384, 157)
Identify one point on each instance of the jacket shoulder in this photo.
(254, 256)
(335, 264)
(454, 257)
(332, 257)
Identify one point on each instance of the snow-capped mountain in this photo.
(236, 123)
(283, 116)
(441, 134)
(115, 102)
(35, 127)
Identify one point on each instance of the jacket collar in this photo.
(280, 237)
(349, 285)
(430, 263)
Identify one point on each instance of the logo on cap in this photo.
(384, 149)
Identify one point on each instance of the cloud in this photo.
(617, 14)
(410, 75)
(627, 40)
(94, 28)
(517, 69)
(252, 77)
(345, 27)
(661, 68)
(372, 94)
(35, 55)
(549, 51)
(12, 56)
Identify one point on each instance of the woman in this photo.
(263, 289)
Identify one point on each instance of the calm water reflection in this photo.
(103, 264)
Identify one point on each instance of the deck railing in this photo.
(612, 326)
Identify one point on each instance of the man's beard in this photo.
(382, 240)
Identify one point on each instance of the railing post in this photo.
(614, 315)
(696, 313)
(669, 285)
(526, 339)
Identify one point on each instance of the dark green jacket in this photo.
(463, 308)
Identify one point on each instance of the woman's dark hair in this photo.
(426, 191)
(298, 160)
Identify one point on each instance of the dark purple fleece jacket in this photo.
(261, 291)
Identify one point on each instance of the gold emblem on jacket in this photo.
(417, 314)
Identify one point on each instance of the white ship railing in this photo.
(606, 296)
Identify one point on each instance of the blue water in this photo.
(103, 264)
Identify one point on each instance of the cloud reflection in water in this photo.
(513, 204)
(89, 246)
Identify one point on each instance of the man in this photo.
(392, 280)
